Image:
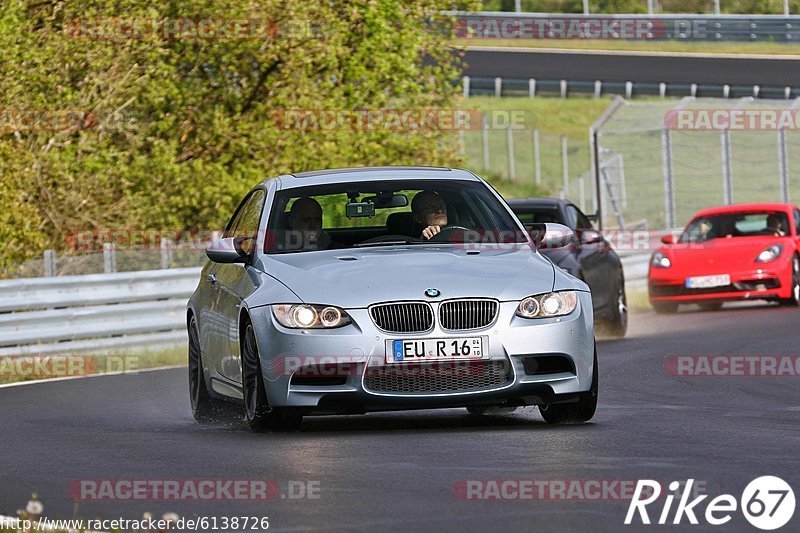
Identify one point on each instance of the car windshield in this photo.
(729, 225)
(387, 213)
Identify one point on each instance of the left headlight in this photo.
(770, 254)
(548, 305)
(305, 316)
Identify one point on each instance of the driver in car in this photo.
(430, 212)
(775, 225)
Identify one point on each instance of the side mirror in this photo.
(590, 236)
(668, 239)
(228, 250)
(551, 235)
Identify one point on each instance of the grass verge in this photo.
(553, 118)
(42, 367)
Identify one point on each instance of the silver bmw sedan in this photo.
(387, 288)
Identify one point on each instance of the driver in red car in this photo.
(775, 225)
(430, 212)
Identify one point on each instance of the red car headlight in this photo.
(770, 254)
(660, 260)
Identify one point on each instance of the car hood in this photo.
(361, 277)
(719, 255)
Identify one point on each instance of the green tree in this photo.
(167, 128)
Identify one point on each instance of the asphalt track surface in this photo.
(631, 66)
(397, 472)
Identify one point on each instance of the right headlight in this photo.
(548, 305)
(304, 316)
(660, 260)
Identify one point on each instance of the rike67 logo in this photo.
(767, 503)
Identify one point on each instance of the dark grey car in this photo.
(591, 259)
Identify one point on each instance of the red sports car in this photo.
(735, 252)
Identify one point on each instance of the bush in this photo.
(169, 133)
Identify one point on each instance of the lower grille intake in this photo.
(462, 376)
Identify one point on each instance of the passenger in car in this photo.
(305, 226)
(430, 212)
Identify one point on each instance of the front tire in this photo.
(794, 298)
(577, 412)
(258, 414)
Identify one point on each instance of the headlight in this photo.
(660, 260)
(770, 254)
(304, 316)
(548, 305)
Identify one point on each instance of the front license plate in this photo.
(405, 351)
(708, 282)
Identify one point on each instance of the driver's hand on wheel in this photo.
(430, 231)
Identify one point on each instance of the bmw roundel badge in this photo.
(432, 293)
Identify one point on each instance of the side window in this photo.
(245, 222)
(572, 216)
(583, 222)
(797, 222)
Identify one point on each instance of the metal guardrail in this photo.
(684, 27)
(103, 312)
(486, 86)
(93, 312)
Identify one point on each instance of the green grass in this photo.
(769, 48)
(94, 364)
(638, 300)
(552, 117)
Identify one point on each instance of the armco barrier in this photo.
(106, 312)
(94, 312)
(685, 27)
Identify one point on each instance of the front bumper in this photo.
(765, 283)
(327, 371)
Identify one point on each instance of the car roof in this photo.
(743, 208)
(359, 174)
(548, 203)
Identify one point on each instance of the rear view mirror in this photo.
(550, 235)
(387, 200)
(668, 239)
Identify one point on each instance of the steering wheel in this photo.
(446, 231)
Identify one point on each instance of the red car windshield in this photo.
(728, 225)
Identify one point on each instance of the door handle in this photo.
(212, 278)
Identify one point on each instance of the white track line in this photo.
(67, 378)
(700, 55)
